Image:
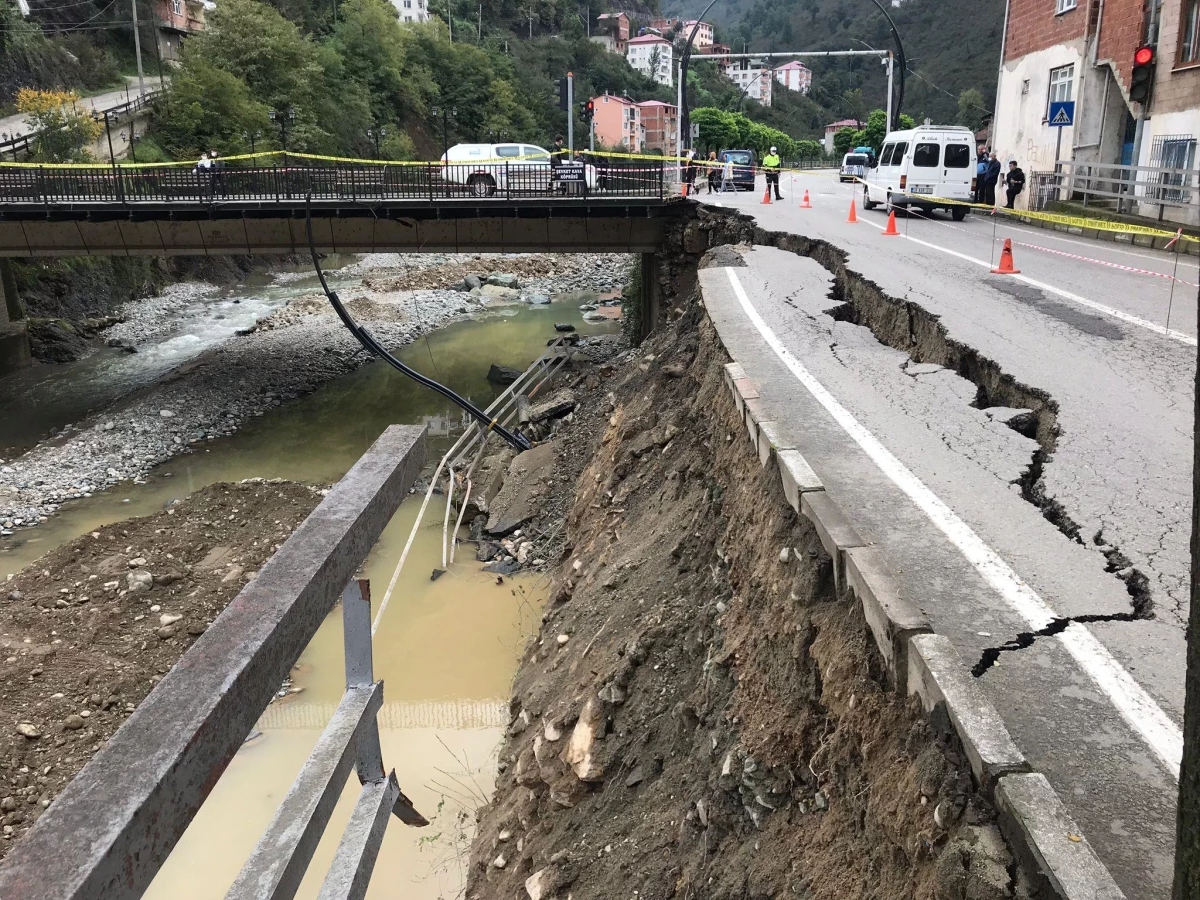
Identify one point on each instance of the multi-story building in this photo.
(834, 127)
(660, 122)
(795, 76)
(176, 20)
(618, 123)
(612, 32)
(754, 77)
(412, 10)
(651, 55)
(1082, 51)
(704, 34)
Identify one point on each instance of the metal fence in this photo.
(642, 179)
(111, 829)
(1165, 193)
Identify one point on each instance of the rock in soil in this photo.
(525, 484)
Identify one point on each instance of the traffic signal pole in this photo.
(571, 113)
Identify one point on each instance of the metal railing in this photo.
(356, 183)
(111, 829)
(1122, 189)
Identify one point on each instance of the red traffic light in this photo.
(1144, 56)
(591, 107)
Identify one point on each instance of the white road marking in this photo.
(1136, 706)
(1067, 295)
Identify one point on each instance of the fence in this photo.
(1168, 194)
(357, 182)
(109, 831)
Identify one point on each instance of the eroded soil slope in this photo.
(700, 715)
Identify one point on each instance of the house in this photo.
(1083, 51)
(412, 10)
(717, 50)
(754, 76)
(660, 122)
(175, 21)
(651, 55)
(618, 123)
(704, 34)
(833, 128)
(612, 32)
(795, 76)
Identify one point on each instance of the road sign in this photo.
(1062, 113)
(695, 130)
(568, 172)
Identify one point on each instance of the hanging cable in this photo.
(364, 337)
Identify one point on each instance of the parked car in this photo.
(486, 168)
(924, 167)
(854, 166)
(745, 163)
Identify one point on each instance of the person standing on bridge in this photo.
(1014, 180)
(771, 165)
(216, 166)
(557, 155)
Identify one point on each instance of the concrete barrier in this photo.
(893, 619)
(833, 528)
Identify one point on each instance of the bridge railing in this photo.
(366, 183)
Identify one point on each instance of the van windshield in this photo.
(856, 159)
(737, 157)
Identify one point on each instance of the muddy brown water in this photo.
(446, 650)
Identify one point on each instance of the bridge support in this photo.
(14, 338)
(651, 294)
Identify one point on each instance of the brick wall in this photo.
(1120, 35)
(1175, 90)
(1033, 26)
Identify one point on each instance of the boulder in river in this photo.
(499, 279)
(519, 499)
(563, 326)
(498, 374)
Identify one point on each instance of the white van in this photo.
(486, 168)
(922, 166)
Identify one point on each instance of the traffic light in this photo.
(561, 85)
(589, 110)
(1142, 78)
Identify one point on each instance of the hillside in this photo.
(948, 52)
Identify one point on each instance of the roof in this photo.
(844, 123)
(616, 15)
(649, 39)
(794, 64)
(606, 97)
(656, 103)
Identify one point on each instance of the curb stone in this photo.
(797, 476)
(770, 442)
(756, 412)
(893, 619)
(938, 675)
(833, 528)
(1036, 823)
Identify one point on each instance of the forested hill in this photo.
(952, 47)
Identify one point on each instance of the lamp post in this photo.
(377, 135)
(252, 137)
(446, 112)
(684, 118)
(284, 118)
(894, 118)
(112, 157)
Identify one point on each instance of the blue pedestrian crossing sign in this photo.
(1062, 113)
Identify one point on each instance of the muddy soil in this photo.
(700, 715)
(88, 630)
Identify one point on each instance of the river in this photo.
(446, 650)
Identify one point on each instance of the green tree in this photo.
(971, 109)
(210, 108)
(844, 141)
(717, 129)
(63, 133)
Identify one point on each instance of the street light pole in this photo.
(137, 49)
(684, 118)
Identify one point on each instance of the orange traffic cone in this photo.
(853, 217)
(804, 204)
(767, 195)
(891, 226)
(685, 187)
(1006, 261)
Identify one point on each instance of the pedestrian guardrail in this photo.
(359, 182)
(111, 829)
(1121, 189)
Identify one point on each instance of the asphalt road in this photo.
(1098, 708)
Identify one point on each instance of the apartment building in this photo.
(1082, 51)
(652, 55)
(754, 77)
(660, 124)
(412, 10)
(795, 76)
(612, 32)
(176, 21)
(618, 123)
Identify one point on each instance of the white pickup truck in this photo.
(487, 168)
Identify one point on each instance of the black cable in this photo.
(364, 337)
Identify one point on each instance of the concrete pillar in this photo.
(14, 338)
(651, 294)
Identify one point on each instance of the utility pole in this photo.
(481, 23)
(137, 48)
(571, 114)
(531, 22)
(450, 20)
(891, 126)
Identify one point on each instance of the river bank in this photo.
(292, 346)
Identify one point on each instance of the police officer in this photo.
(771, 165)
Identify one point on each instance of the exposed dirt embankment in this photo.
(700, 716)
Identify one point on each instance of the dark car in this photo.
(745, 162)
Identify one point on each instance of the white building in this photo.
(412, 10)
(651, 55)
(704, 34)
(795, 76)
(754, 77)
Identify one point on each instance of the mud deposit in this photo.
(700, 715)
(89, 629)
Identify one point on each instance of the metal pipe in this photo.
(789, 53)
(902, 58)
(999, 75)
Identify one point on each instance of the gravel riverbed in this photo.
(290, 352)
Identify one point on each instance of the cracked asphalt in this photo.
(1120, 467)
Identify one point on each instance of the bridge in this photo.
(500, 207)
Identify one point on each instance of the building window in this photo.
(177, 7)
(1174, 151)
(1060, 85)
(1189, 33)
(1062, 6)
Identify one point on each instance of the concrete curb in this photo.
(1033, 819)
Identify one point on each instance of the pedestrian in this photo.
(990, 178)
(689, 171)
(1014, 181)
(202, 164)
(556, 160)
(714, 169)
(727, 174)
(771, 165)
(981, 164)
(216, 166)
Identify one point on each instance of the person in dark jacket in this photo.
(1014, 181)
(989, 180)
(981, 164)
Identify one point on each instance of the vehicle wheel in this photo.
(888, 205)
(868, 203)
(959, 213)
(481, 185)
